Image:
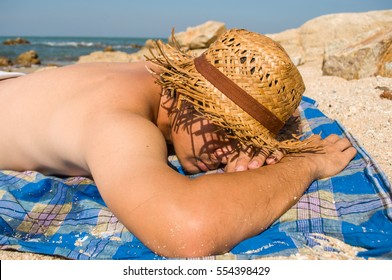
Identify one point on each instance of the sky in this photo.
(156, 18)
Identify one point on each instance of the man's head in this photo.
(244, 83)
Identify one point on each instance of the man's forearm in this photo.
(243, 204)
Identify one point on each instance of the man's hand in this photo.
(247, 158)
(334, 156)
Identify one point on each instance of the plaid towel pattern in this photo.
(67, 216)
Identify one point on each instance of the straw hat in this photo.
(244, 82)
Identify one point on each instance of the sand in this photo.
(357, 105)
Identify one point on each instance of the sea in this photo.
(67, 50)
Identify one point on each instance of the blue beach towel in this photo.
(67, 216)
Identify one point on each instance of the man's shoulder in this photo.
(120, 129)
(123, 141)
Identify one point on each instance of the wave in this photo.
(86, 45)
(129, 46)
(71, 44)
(66, 50)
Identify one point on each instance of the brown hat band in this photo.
(236, 94)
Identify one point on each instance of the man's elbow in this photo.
(197, 237)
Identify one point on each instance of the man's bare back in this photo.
(44, 115)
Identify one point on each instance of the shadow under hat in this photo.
(244, 83)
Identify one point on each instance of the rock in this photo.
(140, 55)
(201, 36)
(341, 30)
(385, 64)
(143, 52)
(290, 40)
(100, 56)
(196, 38)
(364, 59)
(4, 61)
(108, 49)
(333, 32)
(28, 58)
(136, 46)
(149, 44)
(16, 41)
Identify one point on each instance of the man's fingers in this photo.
(231, 162)
(247, 158)
(350, 153)
(239, 161)
(342, 144)
(244, 157)
(333, 138)
(275, 157)
(258, 159)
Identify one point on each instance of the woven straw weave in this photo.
(254, 62)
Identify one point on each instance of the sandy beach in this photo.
(361, 105)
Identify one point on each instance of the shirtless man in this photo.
(111, 122)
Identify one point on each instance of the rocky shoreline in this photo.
(346, 63)
(26, 59)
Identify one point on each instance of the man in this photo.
(224, 107)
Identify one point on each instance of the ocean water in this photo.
(67, 50)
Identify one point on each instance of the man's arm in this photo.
(179, 217)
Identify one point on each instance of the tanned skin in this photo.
(111, 122)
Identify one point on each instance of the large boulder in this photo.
(385, 64)
(201, 36)
(333, 32)
(371, 57)
(28, 58)
(290, 40)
